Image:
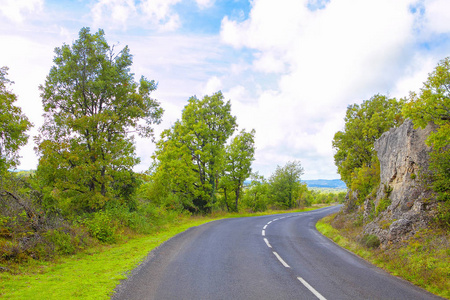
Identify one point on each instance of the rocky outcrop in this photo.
(403, 157)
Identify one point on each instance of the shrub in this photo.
(365, 181)
(62, 241)
(443, 215)
(101, 226)
(370, 241)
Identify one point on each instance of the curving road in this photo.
(268, 257)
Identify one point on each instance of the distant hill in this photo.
(326, 183)
(318, 183)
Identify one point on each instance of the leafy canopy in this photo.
(239, 156)
(285, 185)
(190, 156)
(92, 107)
(364, 124)
(13, 125)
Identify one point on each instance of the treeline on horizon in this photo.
(84, 190)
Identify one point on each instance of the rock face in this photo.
(403, 155)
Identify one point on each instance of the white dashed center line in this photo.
(306, 284)
(316, 293)
(281, 260)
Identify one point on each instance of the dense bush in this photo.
(370, 241)
(28, 231)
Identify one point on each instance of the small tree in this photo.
(364, 124)
(285, 185)
(191, 154)
(92, 106)
(238, 160)
(13, 125)
(256, 195)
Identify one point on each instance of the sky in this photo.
(289, 67)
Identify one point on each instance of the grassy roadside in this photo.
(94, 273)
(424, 259)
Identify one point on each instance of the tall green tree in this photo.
(432, 104)
(239, 156)
(285, 186)
(13, 125)
(364, 124)
(92, 107)
(256, 195)
(192, 152)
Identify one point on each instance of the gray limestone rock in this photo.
(403, 156)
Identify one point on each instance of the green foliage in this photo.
(92, 104)
(443, 216)
(190, 157)
(256, 195)
(432, 104)
(29, 232)
(365, 181)
(238, 160)
(285, 187)
(364, 124)
(382, 205)
(101, 226)
(62, 241)
(384, 202)
(13, 125)
(370, 241)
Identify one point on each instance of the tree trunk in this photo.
(236, 201)
(226, 200)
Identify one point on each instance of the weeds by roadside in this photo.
(424, 259)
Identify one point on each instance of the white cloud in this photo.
(342, 53)
(437, 15)
(291, 70)
(272, 25)
(159, 12)
(115, 13)
(213, 85)
(205, 3)
(123, 14)
(16, 10)
(268, 62)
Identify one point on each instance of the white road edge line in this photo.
(265, 227)
(269, 222)
(267, 243)
(316, 293)
(263, 233)
(281, 260)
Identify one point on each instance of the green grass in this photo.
(424, 259)
(95, 273)
(89, 275)
(329, 231)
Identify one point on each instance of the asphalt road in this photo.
(269, 257)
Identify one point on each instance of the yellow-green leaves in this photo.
(285, 186)
(92, 106)
(13, 125)
(363, 125)
(190, 156)
(432, 104)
